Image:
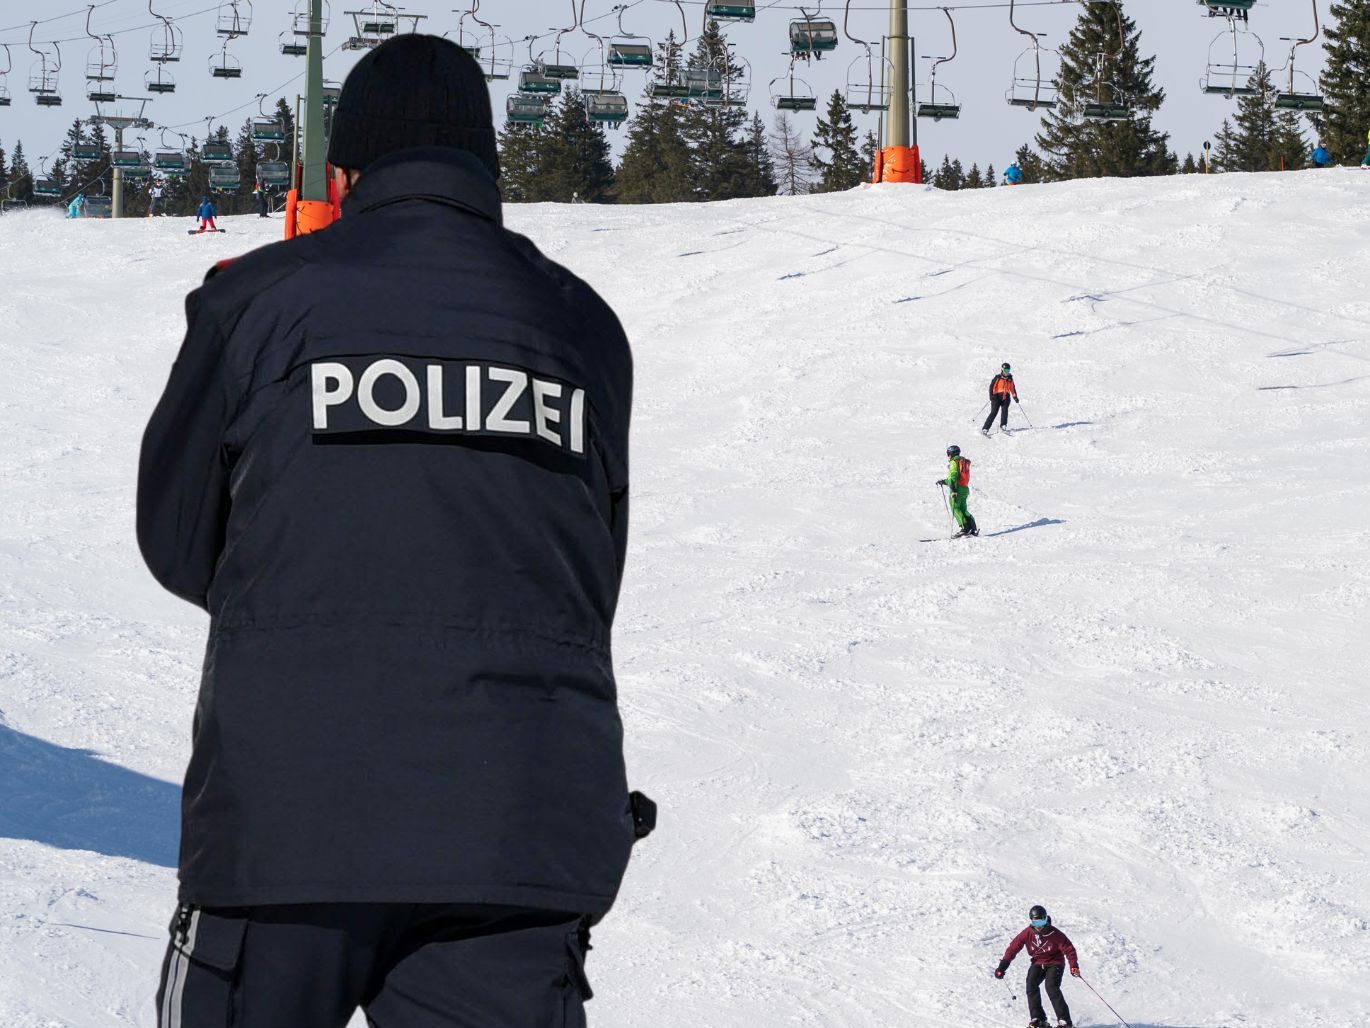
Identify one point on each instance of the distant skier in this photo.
(154, 199)
(1366, 162)
(77, 207)
(262, 201)
(958, 488)
(1321, 157)
(206, 214)
(1050, 952)
(1013, 174)
(1001, 391)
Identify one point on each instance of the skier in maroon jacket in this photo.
(1050, 952)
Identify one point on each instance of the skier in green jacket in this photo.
(958, 484)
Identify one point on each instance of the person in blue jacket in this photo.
(1321, 157)
(77, 207)
(1366, 162)
(1013, 175)
(206, 215)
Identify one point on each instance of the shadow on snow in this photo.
(1039, 523)
(73, 800)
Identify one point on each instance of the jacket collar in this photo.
(443, 175)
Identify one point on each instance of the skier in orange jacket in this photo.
(1001, 390)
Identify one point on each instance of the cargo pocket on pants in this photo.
(201, 969)
(577, 989)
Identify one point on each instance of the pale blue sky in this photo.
(1176, 31)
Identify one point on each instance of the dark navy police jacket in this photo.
(392, 464)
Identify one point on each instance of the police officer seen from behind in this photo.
(391, 462)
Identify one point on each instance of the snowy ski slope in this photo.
(1138, 698)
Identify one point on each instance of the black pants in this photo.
(406, 965)
(998, 404)
(1051, 975)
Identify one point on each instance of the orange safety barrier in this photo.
(899, 164)
(305, 216)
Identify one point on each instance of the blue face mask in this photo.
(1039, 922)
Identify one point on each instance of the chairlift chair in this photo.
(797, 95)
(292, 45)
(1228, 8)
(225, 66)
(218, 150)
(235, 18)
(1233, 79)
(562, 72)
(224, 176)
(812, 37)
(159, 81)
(167, 40)
(536, 81)
(171, 162)
(1108, 102)
(942, 105)
(268, 130)
(4, 76)
(730, 12)
(273, 174)
(98, 206)
(668, 86)
(85, 150)
(526, 108)
(605, 106)
(4, 95)
(332, 91)
(623, 54)
(1308, 100)
(140, 172)
(47, 187)
(299, 21)
(704, 84)
(1095, 110)
(1034, 91)
(43, 75)
(101, 65)
(867, 93)
(126, 158)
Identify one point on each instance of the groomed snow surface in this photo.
(1138, 698)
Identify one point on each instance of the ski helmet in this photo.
(1039, 917)
(953, 450)
(1005, 367)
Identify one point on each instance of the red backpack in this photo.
(963, 471)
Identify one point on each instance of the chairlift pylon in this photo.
(942, 105)
(1310, 100)
(43, 76)
(1031, 91)
(1233, 79)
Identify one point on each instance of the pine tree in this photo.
(793, 156)
(655, 167)
(836, 136)
(974, 179)
(760, 177)
(869, 146)
(4, 177)
(1030, 164)
(521, 148)
(1224, 155)
(950, 175)
(246, 153)
(712, 130)
(286, 114)
(1345, 126)
(991, 179)
(1189, 167)
(1263, 138)
(20, 184)
(1099, 66)
(574, 160)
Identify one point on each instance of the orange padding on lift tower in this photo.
(898, 164)
(305, 216)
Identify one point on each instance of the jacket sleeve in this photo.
(1068, 950)
(1019, 941)
(1014, 386)
(953, 473)
(182, 472)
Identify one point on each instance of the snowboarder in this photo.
(407, 522)
(206, 214)
(77, 207)
(1013, 174)
(1050, 951)
(1321, 157)
(263, 203)
(154, 199)
(958, 488)
(1001, 391)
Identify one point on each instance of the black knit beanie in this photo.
(413, 90)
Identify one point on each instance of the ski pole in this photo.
(979, 412)
(1105, 1003)
(942, 488)
(1025, 417)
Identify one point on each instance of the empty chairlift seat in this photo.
(217, 150)
(172, 162)
(536, 81)
(98, 207)
(224, 176)
(273, 174)
(630, 55)
(47, 187)
(268, 130)
(704, 84)
(126, 158)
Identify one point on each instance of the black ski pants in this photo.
(406, 965)
(998, 404)
(1051, 975)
